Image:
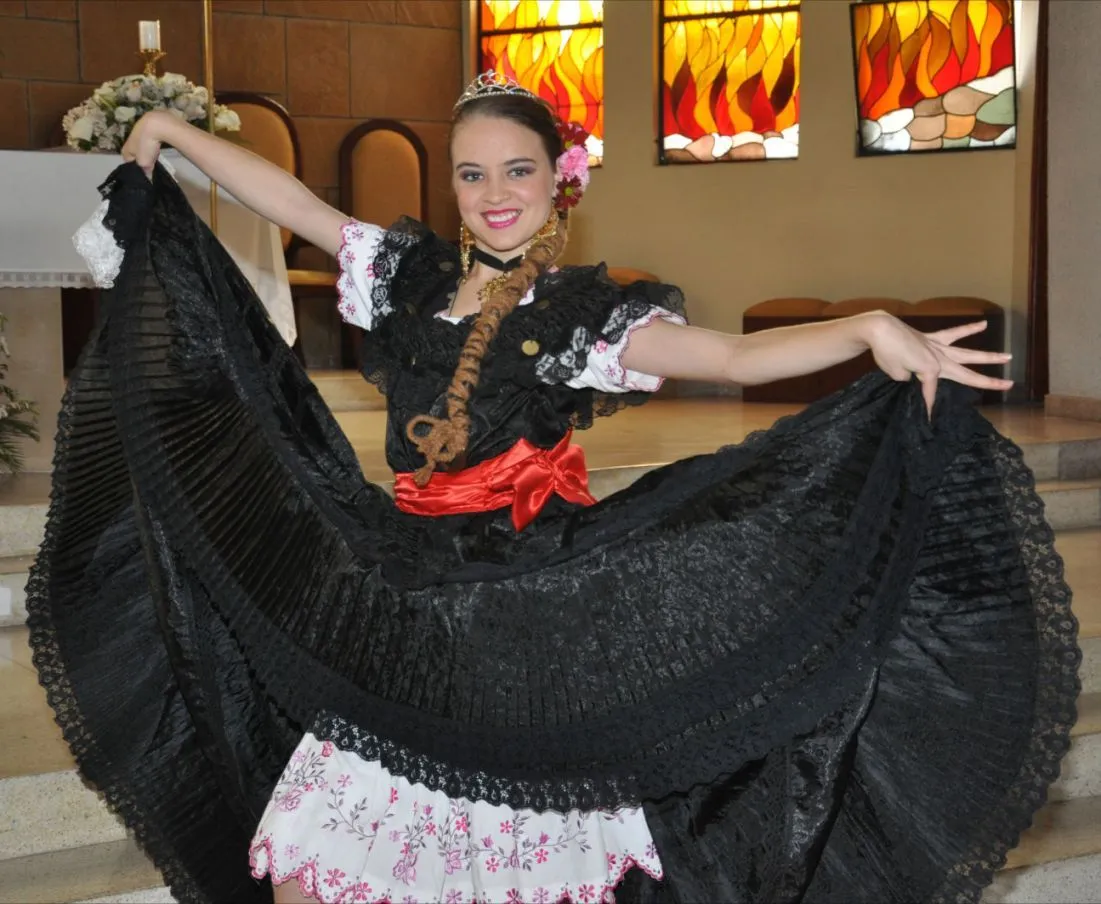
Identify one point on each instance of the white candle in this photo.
(149, 35)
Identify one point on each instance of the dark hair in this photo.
(444, 439)
(528, 112)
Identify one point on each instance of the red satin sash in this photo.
(524, 477)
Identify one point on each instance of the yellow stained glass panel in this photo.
(730, 85)
(703, 7)
(555, 49)
(935, 75)
(502, 15)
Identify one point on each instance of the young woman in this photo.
(834, 663)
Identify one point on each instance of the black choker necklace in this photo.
(495, 262)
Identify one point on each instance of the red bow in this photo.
(524, 477)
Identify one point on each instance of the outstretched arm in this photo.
(261, 186)
(669, 350)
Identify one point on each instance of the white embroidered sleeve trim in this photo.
(96, 244)
(356, 282)
(605, 371)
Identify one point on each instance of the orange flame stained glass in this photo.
(555, 49)
(730, 80)
(934, 75)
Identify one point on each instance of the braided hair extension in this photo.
(442, 440)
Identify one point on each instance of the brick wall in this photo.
(332, 63)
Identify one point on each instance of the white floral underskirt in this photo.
(348, 830)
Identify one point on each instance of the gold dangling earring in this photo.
(466, 247)
(547, 230)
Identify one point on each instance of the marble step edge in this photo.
(1073, 881)
(1090, 671)
(83, 873)
(158, 895)
(1070, 504)
(1071, 459)
(53, 811)
(13, 579)
(1060, 831)
(1080, 770)
(1063, 837)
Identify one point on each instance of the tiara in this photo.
(491, 84)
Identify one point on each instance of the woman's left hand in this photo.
(902, 352)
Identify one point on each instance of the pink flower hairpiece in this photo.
(572, 166)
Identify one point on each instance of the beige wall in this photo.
(1074, 200)
(830, 224)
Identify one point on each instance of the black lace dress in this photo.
(835, 662)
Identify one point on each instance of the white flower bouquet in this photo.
(105, 119)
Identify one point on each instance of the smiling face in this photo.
(504, 182)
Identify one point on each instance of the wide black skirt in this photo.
(836, 662)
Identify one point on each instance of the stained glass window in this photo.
(554, 48)
(729, 80)
(934, 75)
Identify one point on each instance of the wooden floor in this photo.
(659, 432)
(664, 430)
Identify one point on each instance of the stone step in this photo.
(1090, 671)
(1075, 881)
(53, 811)
(1080, 772)
(56, 810)
(158, 895)
(1062, 830)
(1081, 553)
(23, 503)
(1068, 459)
(13, 589)
(78, 874)
(1069, 504)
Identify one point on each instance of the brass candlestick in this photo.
(150, 58)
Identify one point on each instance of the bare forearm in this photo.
(261, 186)
(669, 350)
(793, 351)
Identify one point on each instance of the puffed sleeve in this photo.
(358, 301)
(604, 369)
(591, 355)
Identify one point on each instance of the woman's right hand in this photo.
(143, 146)
(262, 187)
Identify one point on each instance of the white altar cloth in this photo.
(46, 195)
